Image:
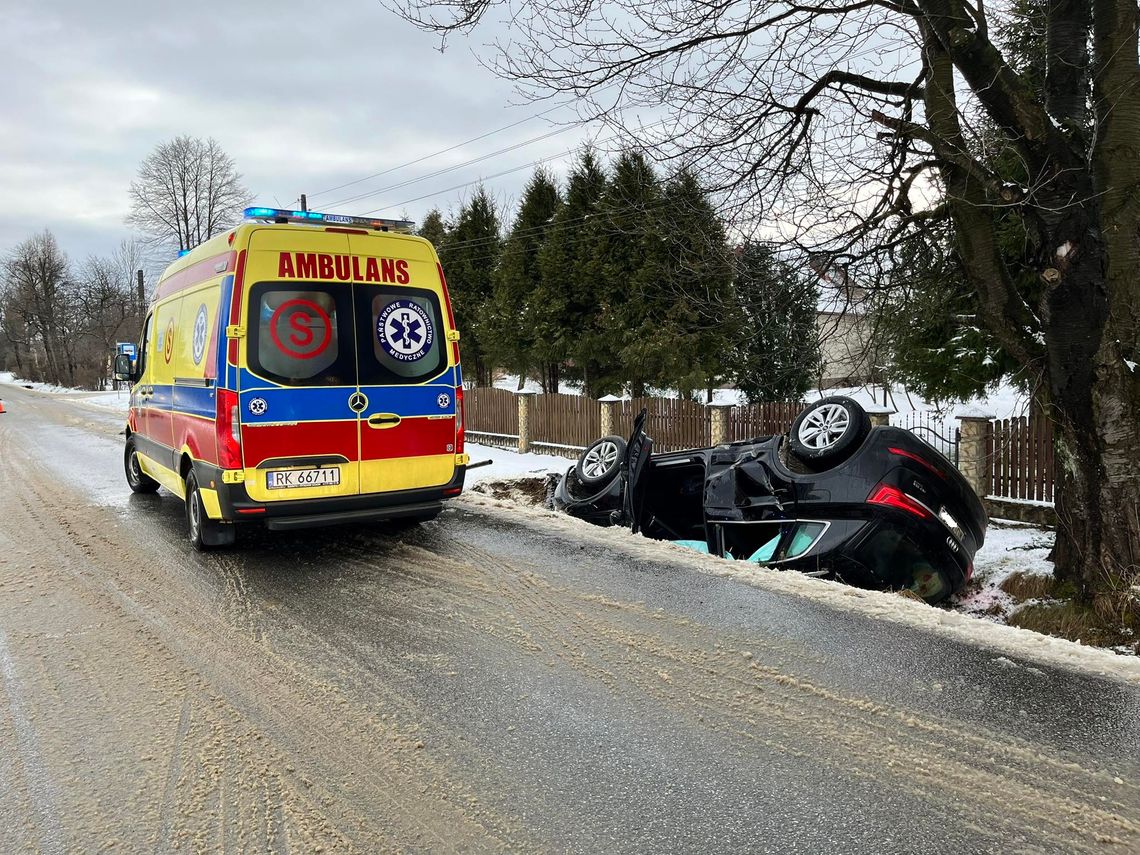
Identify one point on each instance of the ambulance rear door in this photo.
(299, 431)
(407, 381)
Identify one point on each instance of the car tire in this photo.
(600, 462)
(828, 431)
(204, 532)
(137, 480)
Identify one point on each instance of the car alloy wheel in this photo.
(824, 426)
(600, 459)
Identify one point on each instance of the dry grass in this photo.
(1069, 619)
(1029, 586)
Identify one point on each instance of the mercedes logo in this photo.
(357, 402)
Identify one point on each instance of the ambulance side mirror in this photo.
(124, 370)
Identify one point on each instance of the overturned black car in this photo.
(875, 507)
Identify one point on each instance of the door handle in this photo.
(380, 421)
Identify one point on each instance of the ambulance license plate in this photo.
(279, 479)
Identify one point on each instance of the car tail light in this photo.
(910, 455)
(893, 497)
(228, 430)
(460, 427)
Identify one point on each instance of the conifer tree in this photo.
(469, 255)
(511, 320)
(567, 298)
(777, 351)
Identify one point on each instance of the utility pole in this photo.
(142, 298)
(304, 203)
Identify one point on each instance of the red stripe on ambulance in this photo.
(303, 439)
(410, 438)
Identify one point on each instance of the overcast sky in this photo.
(303, 95)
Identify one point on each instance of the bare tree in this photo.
(107, 306)
(187, 191)
(854, 124)
(35, 280)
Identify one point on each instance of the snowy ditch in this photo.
(961, 625)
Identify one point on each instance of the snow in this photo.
(1002, 401)
(1131, 365)
(510, 464)
(1005, 640)
(1010, 548)
(115, 401)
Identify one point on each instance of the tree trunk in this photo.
(1093, 333)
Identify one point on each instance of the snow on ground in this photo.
(1003, 401)
(8, 377)
(508, 465)
(115, 400)
(1005, 640)
(1010, 548)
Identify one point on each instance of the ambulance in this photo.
(301, 369)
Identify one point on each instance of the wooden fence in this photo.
(674, 424)
(747, 421)
(564, 422)
(492, 416)
(1018, 453)
(1020, 456)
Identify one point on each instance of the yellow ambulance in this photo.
(301, 369)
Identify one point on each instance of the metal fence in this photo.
(936, 430)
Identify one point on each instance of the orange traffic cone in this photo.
(1, 406)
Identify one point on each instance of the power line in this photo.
(480, 180)
(448, 169)
(436, 154)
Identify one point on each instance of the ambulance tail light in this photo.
(460, 427)
(228, 428)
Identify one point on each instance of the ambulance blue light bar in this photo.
(280, 215)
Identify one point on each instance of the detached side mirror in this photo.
(124, 369)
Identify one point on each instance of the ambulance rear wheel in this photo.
(204, 532)
(137, 480)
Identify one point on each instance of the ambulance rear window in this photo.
(296, 338)
(400, 334)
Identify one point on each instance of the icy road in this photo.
(486, 684)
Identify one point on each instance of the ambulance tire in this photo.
(137, 480)
(204, 532)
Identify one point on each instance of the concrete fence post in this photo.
(972, 462)
(879, 414)
(609, 410)
(718, 422)
(524, 397)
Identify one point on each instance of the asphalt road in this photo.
(486, 684)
